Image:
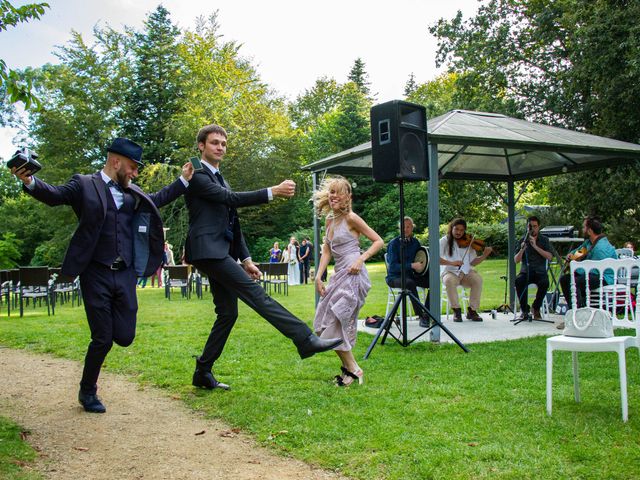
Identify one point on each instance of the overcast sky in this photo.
(291, 42)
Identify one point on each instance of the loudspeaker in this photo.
(399, 142)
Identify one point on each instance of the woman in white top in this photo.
(293, 277)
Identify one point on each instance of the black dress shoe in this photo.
(425, 322)
(314, 344)
(205, 379)
(91, 403)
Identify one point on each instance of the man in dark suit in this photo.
(215, 244)
(119, 236)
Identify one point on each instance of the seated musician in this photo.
(534, 253)
(595, 247)
(458, 257)
(412, 279)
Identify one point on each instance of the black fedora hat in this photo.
(126, 148)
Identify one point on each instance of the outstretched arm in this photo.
(67, 194)
(358, 225)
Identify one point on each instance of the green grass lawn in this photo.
(14, 453)
(424, 411)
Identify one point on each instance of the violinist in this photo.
(534, 252)
(458, 255)
(595, 247)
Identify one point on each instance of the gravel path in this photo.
(143, 435)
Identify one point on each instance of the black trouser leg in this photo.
(111, 306)
(522, 291)
(232, 282)
(581, 286)
(541, 279)
(411, 284)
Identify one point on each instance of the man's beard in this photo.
(122, 179)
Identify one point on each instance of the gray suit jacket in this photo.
(210, 206)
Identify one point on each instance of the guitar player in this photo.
(595, 247)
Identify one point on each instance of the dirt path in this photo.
(143, 435)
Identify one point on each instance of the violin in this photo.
(469, 240)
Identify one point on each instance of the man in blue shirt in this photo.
(412, 279)
(597, 248)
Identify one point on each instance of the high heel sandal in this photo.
(340, 378)
(349, 377)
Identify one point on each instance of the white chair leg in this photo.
(576, 376)
(549, 377)
(622, 365)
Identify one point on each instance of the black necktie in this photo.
(220, 179)
(232, 213)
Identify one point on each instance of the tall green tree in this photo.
(155, 92)
(309, 107)
(222, 87)
(359, 76)
(567, 62)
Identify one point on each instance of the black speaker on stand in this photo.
(399, 142)
(398, 155)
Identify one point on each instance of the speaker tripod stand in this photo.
(402, 299)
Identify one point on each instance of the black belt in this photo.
(118, 265)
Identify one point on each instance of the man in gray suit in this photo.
(215, 244)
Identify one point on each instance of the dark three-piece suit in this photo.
(214, 244)
(110, 247)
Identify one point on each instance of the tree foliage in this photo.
(571, 63)
(15, 86)
(9, 253)
(154, 92)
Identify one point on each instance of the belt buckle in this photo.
(116, 266)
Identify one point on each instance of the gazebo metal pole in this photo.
(511, 244)
(316, 236)
(434, 238)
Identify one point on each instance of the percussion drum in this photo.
(422, 257)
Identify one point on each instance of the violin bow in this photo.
(464, 255)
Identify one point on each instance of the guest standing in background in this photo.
(275, 253)
(293, 277)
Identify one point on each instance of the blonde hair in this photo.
(321, 196)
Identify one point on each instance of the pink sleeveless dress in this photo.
(337, 312)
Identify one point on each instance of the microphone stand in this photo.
(529, 316)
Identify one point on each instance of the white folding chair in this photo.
(444, 298)
(618, 344)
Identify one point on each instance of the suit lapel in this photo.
(210, 174)
(101, 190)
(141, 196)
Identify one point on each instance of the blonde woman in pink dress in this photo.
(343, 297)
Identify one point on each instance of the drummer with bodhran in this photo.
(416, 272)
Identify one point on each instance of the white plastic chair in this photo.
(624, 252)
(617, 344)
(462, 296)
